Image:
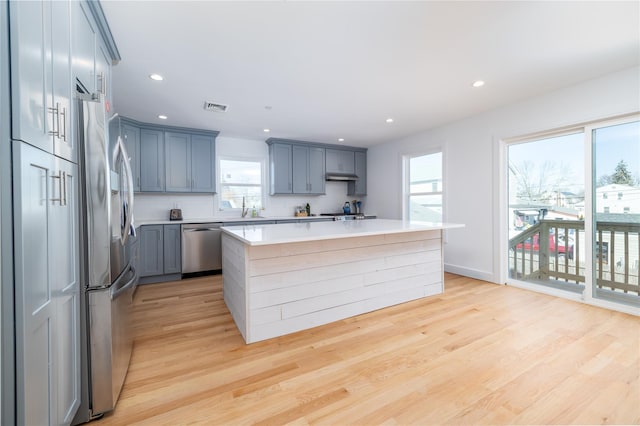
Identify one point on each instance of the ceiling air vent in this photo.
(212, 106)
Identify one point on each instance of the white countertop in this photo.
(311, 231)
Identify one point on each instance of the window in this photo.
(423, 188)
(241, 179)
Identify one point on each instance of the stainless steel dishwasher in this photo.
(201, 247)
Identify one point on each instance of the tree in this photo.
(535, 180)
(622, 175)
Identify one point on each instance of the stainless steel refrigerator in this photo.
(109, 277)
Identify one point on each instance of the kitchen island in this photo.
(279, 279)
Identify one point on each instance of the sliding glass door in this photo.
(574, 212)
(616, 212)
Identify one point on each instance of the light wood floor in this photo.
(477, 354)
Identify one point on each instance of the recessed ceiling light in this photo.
(162, 117)
(340, 139)
(389, 120)
(156, 77)
(266, 130)
(478, 83)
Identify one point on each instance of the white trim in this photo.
(406, 158)
(470, 272)
(263, 178)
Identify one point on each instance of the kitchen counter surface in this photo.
(256, 235)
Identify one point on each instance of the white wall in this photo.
(472, 166)
(156, 206)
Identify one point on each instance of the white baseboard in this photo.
(470, 272)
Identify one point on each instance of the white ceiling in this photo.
(339, 69)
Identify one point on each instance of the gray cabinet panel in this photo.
(340, 161)
(84, 46)
(280, 158)
(308, 170)
(39, 45)
(151, 250)
(203, 171)
(178, 162)
(359, 187)
(47, 287)
(316, 170)
(65, 268)
(63, 138)
(103, 71)
(131, 137)
(172, 249)
(151, 160)
(300, 169)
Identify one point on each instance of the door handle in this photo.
(64, 124)
(55, 123)
(59, 177)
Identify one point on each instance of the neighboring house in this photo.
(617, 198)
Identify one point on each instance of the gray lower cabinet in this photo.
(172, 249)
(280, 166)
(160, 250)
(47, 288)
(308, 169)
(151, 160)
(340, 161)
(151, 250)
(359, 187)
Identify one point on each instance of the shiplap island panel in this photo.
(279, 279)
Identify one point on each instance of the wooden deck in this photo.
(478, 354)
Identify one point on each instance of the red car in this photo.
(562, 249)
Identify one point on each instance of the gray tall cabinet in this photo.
(54, 46)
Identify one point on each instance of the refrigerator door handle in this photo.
(129, 190)
(118, 288)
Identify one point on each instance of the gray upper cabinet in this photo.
(340, 161)
(85, 36)
(131, 138)
(177, 148)
(190, 162)
(151, 160)
(280, 161)
(308, 170)
(170, 159)
(203, 160)
(359, 187)
(93, 49)
(41, 75)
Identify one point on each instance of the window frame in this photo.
(220, 183)
(406, 184)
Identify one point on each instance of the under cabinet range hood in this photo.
(341, 177)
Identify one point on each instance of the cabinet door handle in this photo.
(64, 124)
(59, 177)
(63, 194)
(55, 122)
(103, 85)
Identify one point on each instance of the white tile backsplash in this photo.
(156, 206)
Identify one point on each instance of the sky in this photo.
(612, 144)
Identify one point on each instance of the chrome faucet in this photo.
(244, 210)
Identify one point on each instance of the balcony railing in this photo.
(552, 252)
